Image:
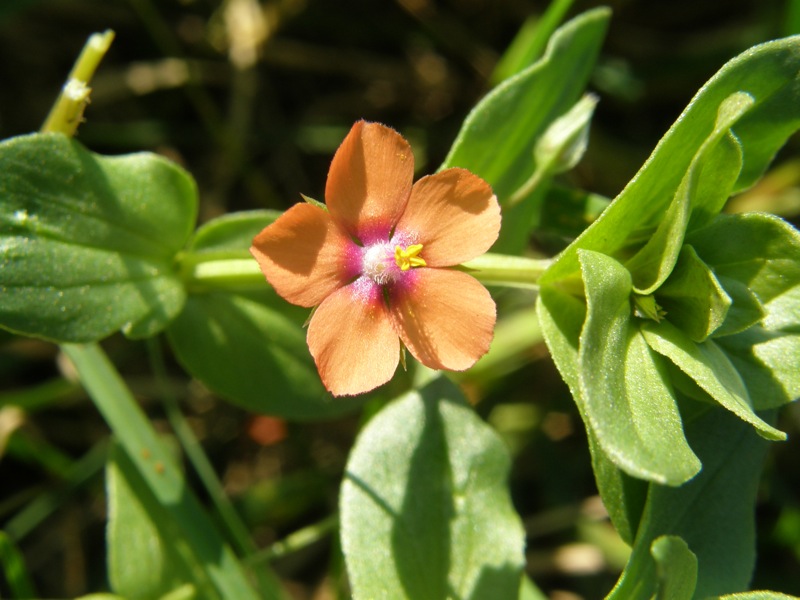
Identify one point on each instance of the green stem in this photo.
(67, 112)
(242, 273)
(298, 540)
(196, 455)
(158, 469)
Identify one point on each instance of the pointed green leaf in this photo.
(676, 567)
(425, 511)
(745, 309)
(711, 369)
(704, 188)
(693, 299)
(88, 242)
(628, 398)
(512, 117)
(769, 74)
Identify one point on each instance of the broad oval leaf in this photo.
(250, 352)
(87, 242)
(425, 509)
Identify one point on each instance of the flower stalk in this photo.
(67, 112)
(243, 274)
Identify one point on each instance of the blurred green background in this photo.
(253, 98)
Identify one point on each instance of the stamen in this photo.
(409, 257)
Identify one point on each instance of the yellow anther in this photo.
(409, 257)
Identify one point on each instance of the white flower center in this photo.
(378, 263)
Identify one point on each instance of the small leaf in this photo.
(628, 398)
(246, 349)
(676, 567)
(425, 510)
(232, 232)
(564, 142)
(88, 242)
(693, 299)
(758, 250)
(711, 369)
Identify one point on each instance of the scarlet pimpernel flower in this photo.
(377, 263)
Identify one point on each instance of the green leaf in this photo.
(744, 311)
(88, 242)
(139, 527)
(767, 361)
(530, 41)
(13, 567)
(758, 250)
(769, 74)
(425, 510)
(710, 368)
(713, 513)
(231, 233)
(561, 316)
(759, 595)
(676, 568)
(512, 117)
(693, 299)
(628, 398)
(704, 188)
(252, 353)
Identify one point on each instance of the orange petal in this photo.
(445, 318)
(304, 255)
(352, 339)
(453, 214)
(369, 181)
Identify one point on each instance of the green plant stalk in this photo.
(202, 466)
(13, 565)
(67, 112)
(242, 273)
(298, 540)
(157, 467)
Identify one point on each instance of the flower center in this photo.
(383, 264)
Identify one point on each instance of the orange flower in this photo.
(375, 263)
